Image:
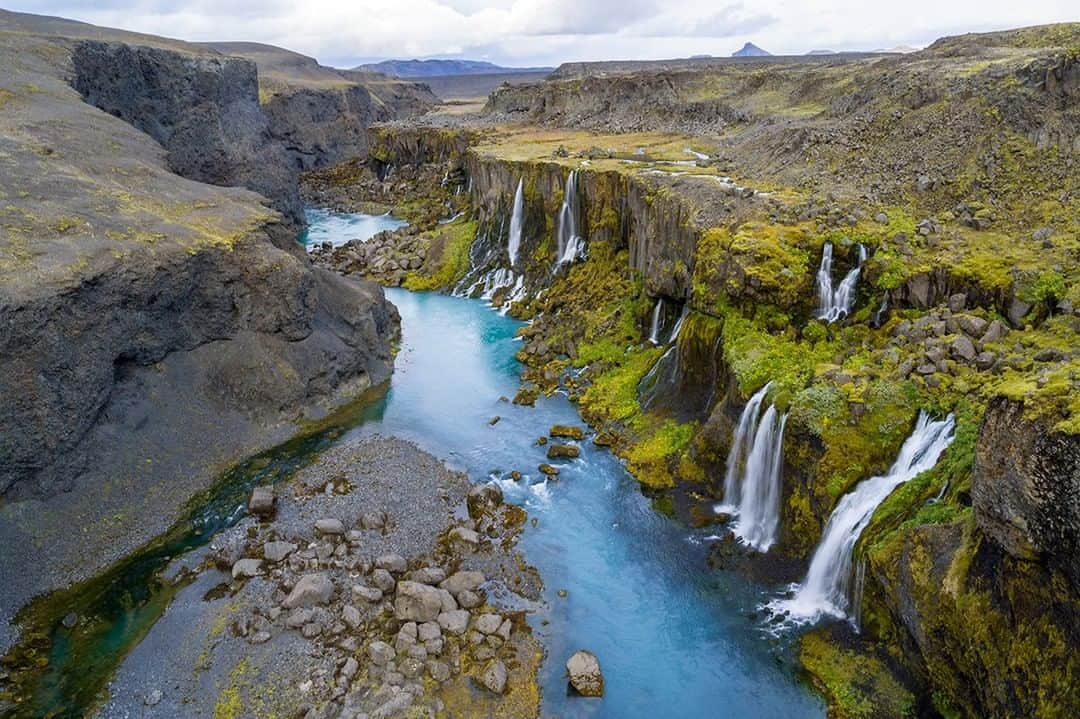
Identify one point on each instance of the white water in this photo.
(825, 591)
(679, 323)
(835, 303)
(758, 514)
(657, 316)
(740, 448)
(752, 475)
(517, 218)
(571, 243)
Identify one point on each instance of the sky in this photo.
(518, 33)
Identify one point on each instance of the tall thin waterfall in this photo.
(571, 243)
(657, 317)
(679, 323)
(517, 218)
(826, 589)
(752, 476)
(741, 444)
(758, 515)
(834, 303)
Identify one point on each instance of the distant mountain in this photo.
(901, 49)
(750, 50)
(439, 68)
(822, 52)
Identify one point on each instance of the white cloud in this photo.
(534, 32)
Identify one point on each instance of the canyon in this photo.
(825, 311)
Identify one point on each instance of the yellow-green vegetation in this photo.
(448, 253)
(229, 705)
(651, 460)
(858, 684)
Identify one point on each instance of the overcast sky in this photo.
(547, 32)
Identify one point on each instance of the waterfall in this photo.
(758, 513)
(657, 318)
(571, 243)
(834, 304)
(679, 323)
(825, 591)
(516, 220)
(740, 448)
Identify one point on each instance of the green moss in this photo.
(857, 685)
(454, 239)
(653, 460)
(613, 395)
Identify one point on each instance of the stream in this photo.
(674, 638)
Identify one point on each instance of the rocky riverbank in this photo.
(143, 289)
(377, 584)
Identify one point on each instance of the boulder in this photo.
(972, 326)
(455, 622)
(462, 581)
(494, 677)
(373, 520)
(368, 594)
(548, 470)
(483, 498)
(429, 575)
(380, 652)
(564, 431)
(383, 579)
(393, 563)
(417, 602)
(583, 670)
(262, 502)
(963, 348)
(245, 568)
(331, 527)
(464, 536)
(996, 331)
(311, 589)
(277, 551)
(488, 623)
(563, 451)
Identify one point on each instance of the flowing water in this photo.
(338, 228)
(657, 321)
(517, 221)
(835, 303)
(571, 243)
(826, 589)
(753, 474)
(674, 638)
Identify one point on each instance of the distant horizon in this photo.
(547, 33)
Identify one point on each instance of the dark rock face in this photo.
(1026, 487)
(281, 334)
(204, 111)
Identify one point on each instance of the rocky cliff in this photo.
(154, 328)
(321, 114)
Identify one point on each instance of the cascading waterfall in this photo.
(517, 219)
(657, 320)
(740, 449)
(826, 589)
(834, 304)
(571, 243)
(752, 476)
(679, 323)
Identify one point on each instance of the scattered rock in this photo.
(996, 331)
(466, 536)
(963, 348)
(368, 594)
(488, 623)
(373, 520)
(153, 698)
(380, 652)
(563, 431)
(429, 575)
(417, 602)
(563, 451)
(276, 551)
(583, 669)
(483, 499)
(246, 568)
(548, 470)
(331, 527)
(393, 563)
(494, 678)
(262, 502)
(455, 622)
(383, 579)
(311, 589)
(462, 581)
(469, 599)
